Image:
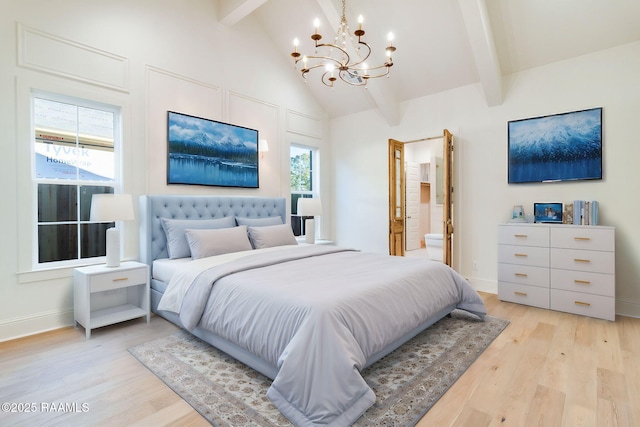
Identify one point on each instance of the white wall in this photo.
(148, 58)
(482, 197)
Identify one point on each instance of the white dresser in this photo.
(567, 268)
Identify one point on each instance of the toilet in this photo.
(433, 242)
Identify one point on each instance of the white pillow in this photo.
(210, 242)
(272, 235)
(259, 222)
(177, 245)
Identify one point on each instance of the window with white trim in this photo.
(304, 167)
(75, 146)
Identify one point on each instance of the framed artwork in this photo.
(548, 212)
(558, 147)
(207, 152)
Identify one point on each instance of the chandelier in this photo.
(335, 60)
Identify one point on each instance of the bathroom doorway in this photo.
(420, 197)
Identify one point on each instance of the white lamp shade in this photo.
(263, 146)
(309, 207)
(111, 207)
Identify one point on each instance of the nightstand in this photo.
(106, 295)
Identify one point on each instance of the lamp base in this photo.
(113, 247)
(309, 231)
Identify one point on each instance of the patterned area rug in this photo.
(406, 382)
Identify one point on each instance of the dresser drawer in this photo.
(581, 281)
(524, 294)
(588, 238)
(583, 304)
(523, 274)
(591, 261)
(523, 255)
(118, 279)
(528, 235)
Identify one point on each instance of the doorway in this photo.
(420, 197)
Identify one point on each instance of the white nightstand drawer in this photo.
(592, 261)
(528, 235)
(524, 274)
(117, 279)
(523, 294)
(580, 281)
(589, 238)
(523, 255)
(584, 304)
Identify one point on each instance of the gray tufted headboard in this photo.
(153, 244)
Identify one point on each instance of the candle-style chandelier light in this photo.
(335, 59)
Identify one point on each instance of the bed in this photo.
(310, 317)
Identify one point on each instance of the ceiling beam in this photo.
(480, 34)
(381, 94)
(230, 12)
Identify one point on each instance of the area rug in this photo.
(406, 382)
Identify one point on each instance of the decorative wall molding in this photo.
(47, 53)
(303, 124)
(240, 105)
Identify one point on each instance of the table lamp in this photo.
(309, 207)
(111, 208)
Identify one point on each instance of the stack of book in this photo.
(585, 212)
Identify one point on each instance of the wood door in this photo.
(412, 206)
(447, 208)
(396, 198)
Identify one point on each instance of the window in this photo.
(74, 157)
(304, 180)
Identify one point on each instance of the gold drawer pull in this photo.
(586, 304)
(582, 238)
(581, 260)
(520, 255)
(522, 294)
(520, 235)
(120, 279)
(521, 274)
(582, 282)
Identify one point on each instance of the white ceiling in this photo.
(443, 44)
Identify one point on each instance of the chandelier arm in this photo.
(335, 46)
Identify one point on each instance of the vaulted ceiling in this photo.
(443, 44)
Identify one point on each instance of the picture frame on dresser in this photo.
(548, 213)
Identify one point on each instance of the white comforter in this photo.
(317, 313)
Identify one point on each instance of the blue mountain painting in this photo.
(207, 152)
(555, 148)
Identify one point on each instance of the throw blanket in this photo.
(318, 313)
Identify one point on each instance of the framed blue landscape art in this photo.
(558, 147)
(207, 152)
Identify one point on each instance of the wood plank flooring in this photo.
(546, 369)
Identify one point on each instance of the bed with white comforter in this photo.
(315, 316)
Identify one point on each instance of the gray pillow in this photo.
(272, 235)
(177, 245)
(210, 242)
(259, 222)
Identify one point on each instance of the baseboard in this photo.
(627, 308)
(35, 324)
(483, 285)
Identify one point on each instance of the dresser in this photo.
(568, 268)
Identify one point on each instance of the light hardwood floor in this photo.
(546, 369)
